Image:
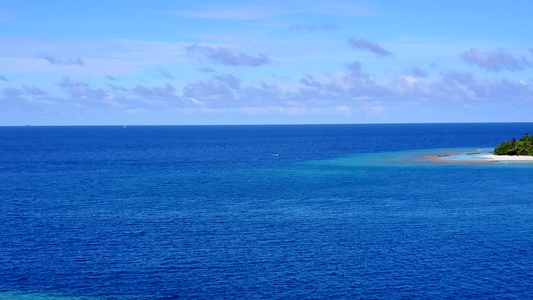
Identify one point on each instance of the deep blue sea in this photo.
(262, 212)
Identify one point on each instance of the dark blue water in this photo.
(210, 212)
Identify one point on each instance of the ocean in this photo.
(262, 212)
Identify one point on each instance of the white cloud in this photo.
(242, 12)
(369, 46)
(100, 58)
(226, 57)
(498, 60)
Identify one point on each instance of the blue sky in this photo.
(164, 62)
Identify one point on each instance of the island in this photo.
(520, 151)
(524, 146)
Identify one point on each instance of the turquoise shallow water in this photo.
(418, 158)
(344, 211)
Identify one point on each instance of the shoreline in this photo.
(508, 157)
(483, 159)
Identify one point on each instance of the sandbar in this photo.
(476, 159)
(508, 157)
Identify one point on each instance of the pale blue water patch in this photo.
(406, 158)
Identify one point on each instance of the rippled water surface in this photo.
(317, 211)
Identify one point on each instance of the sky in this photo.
(163, 62)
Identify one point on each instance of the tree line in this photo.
(524, 146)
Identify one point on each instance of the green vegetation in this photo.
(524, 146)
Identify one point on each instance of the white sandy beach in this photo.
(508, 157)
